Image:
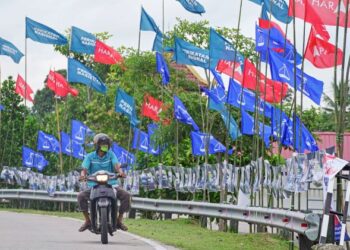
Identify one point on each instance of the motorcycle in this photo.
(103, 204)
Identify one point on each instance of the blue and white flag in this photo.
(125, 104)
(199, 141)
(162, 68)
(147, 23)
(78, 150)
(282, 70)
(47, 142)
(279, 123)
(221, 49)
(123, 155)
(279, 9)
(181, 114)
(240, 97)
(82, 41)
(217, 94)
(140, 141)
(8, 49)
(153, 148)
(32, 159)
(158, 43)
(66, 144)
(78, 72)
(218, 78)
(40, 162)
(248, 128)
(192, 6)
(78, 131)
(188, 54)
(43, 34)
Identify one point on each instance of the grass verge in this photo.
(186, 234)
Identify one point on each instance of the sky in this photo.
(121, 18)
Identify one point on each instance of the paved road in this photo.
(28, 231)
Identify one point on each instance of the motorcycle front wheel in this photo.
(104, 225)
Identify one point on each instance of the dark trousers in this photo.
(122, 195)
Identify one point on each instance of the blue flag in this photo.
(32, 159)
(238, 96)
(8, 49)
(192, 6)
(218, 78)
(279, 9)
(123, 155)
(158, 43)
(47, 142)
(153, 149)
(2, 107)
(82, 41)
(43, 34)
(181, 114)
(78, 150)
(217, 94)
(140, 141)
(162, 68)
(188, 54)
(221, 49)
(125, 104)
(78, 131)
(199, 140)
(66, 144)
(40, 162)
(282, 70)
(78, 72)
(248, 128)
(279, 122)
(147, 23)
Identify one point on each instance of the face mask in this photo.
(104, 148)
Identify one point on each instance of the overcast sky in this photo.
(121, 19)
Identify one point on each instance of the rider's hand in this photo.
(82, 178)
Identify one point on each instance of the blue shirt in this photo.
(93, 163)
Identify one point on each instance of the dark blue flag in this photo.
(221, 49)
(124, 157)
(78, 150)
(78, 72)
(181, 114)
(78, 131)
(43, 34)
(218, 78)
(240, 97)
(82, 41)
(282, 70)
(140, 141)
(192, 6)
(125, 104)
(2, 107)
(217, 94)
(47, 142)
(279, 123)
(32, 159)
(199, 140)
(40, 162)
(8, 49)
(147, 23)
(248, 124)
(162, 68)
(188, 54)
(66, 144)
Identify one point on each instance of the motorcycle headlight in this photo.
(102, 178)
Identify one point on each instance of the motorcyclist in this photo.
(102, 159)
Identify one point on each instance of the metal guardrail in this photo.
(305, 224)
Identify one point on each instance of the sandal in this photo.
(86, 225)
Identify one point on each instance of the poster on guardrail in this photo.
(332, 165)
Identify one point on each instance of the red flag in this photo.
(226, 67)
(272, 91)
(321, 30)
(23, 89)
(322, 53)
(105, 54)
(320, 11)
(58, 84)
(151, 107)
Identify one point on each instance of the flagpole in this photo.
(0, 103)
(139, 40)
(25, 89)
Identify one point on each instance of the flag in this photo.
(217, 94)
(32, 159)
(140, 140)
(58, 84)
(321, 12)
(162, 68)
(188, 54)
(8, 49)
(78, 131)
(218, 78)
(192, 6)
(82, 41)
(271, 91)
(125, 104)
(23, 89)
(222, 49)
(66, 144)
(226, 67)
(248, 123)
(322, 53)
(267, 24)
(279, 123)
(123, 155)
(2, 107)
(239, 97)
(158, 43)
(151, 107)
(279, 9)
(181, 114)
(43, 34)
(47, 142)
(147, 23)
(78, 72)
(321, 30)
(153, 149)
(78, 150)
(105, 54)
(199, 141)
(282, 70)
